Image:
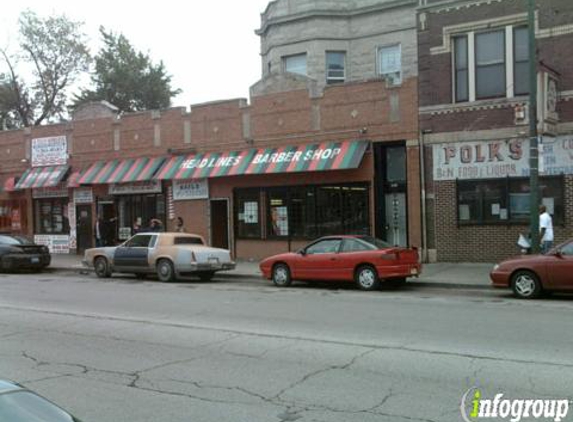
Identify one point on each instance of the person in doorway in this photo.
(136, 228)
(99, 232)
(155, 225)
(179, 225)
(545, 229)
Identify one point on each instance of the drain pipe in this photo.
(423, 193)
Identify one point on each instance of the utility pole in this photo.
(533, 143)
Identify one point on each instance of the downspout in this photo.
(423, 194)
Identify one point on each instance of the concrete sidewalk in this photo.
(438, 275)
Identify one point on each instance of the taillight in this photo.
(193, 259)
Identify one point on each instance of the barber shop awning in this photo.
(287, 159)
(120, 171)
(41, 177)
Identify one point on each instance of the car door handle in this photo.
(333, 259)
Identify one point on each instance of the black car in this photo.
(18, 404)
(18, 252)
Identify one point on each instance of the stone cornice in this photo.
(473, 106)
(332, 13)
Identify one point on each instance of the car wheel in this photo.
(206, 275)
(165, 271)
(526, 285)
(366, 278)
(140, 276)
(281, 275)
(101, 267)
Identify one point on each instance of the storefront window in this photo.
(51, 216)
(140, 208)
(247, 213)
(13, 216)
(305, 212)
(506, 200)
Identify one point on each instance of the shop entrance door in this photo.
(220, 223)
(396, 218)
(84, 230)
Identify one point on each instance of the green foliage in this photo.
(55, 50)
(128, 79)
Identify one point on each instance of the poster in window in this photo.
(279, 218)
(464, 212)
(251, 212)
(519, 204)
(73, 242)
(549, 204)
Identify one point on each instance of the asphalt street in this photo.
(128, 350)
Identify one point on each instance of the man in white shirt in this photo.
(545, 229)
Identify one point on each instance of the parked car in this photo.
(18, 252)
(18, 404)
(169, 255)
(362, 259)
(529, 275)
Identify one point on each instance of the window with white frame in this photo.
(295, 64)
(490, 64)
(390, 63)
(335, 66)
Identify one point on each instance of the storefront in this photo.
(482, 195)
(124, 193)
(260, 201)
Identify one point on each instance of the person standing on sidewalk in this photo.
(545, 229)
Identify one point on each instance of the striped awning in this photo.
(288, 159)
(42, 177)
(73, 179)
(120, 171)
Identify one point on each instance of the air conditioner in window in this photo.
(393, 79)
(521, 114)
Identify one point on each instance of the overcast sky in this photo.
(209, 47)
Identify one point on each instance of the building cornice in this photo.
(332, 13)
(446, 6)
(474, 106)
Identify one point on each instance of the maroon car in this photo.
(530, 275)
(362, 259)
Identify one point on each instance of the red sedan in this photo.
(362, 259)
(529, 275)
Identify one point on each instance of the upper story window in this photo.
(491, 64)
(390, 63)
(335, 66)
(295, 64)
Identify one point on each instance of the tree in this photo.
(128, 79)
(53, 52)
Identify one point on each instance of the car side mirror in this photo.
(301, 251)
(557, 253)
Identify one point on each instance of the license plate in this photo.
(214, 261)
(35, 260)
(414, 271)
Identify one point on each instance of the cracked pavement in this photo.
(147, 351)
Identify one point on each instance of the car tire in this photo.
(526, 285)
(165, 271)
(281, 275)
(140, 276)
(366, 278)
(206, 275)
(101, 267)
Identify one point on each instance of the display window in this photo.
(51, 216)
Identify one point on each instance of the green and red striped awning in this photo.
(120, 171)
(288, 159)
(41, 177)
(9, 185)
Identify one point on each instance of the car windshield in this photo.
(14, 240)
(380, 244)
(24, 406)
(187, 240)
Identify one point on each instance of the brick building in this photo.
(473, 99)
(327, 144)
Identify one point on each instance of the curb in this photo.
(228, 275)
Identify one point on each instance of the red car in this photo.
(529, 275)
(362, 259)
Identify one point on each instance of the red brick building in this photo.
(473, 98)
(328, 144)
